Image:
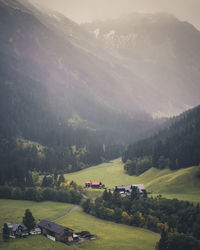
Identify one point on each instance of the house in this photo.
(123, 189)
(56, 232)
(17, 230)
(35, 231)
(93, 184)
(127, 189)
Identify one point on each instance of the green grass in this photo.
(93, 193)
(182, 184)
(109, 235)
(33, 243)
(13, 211)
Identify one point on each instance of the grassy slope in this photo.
(109, 235)
(13, 211)
(182, 184)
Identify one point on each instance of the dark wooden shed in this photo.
(55, 231)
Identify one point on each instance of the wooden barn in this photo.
(127, 189)
(93, 184)
(56, 232)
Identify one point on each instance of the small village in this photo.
(56, 232)
(51, 230)
(124, 190)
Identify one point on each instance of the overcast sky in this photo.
(88, 10)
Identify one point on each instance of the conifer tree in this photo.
(29, 220)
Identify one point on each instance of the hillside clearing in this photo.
(182, 184)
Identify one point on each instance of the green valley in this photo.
(182, 184)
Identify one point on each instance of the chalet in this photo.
(56, 232)
(17, 230)
(127, 189)
(93, 184)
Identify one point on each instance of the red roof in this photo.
(96, 183)
(93, 182)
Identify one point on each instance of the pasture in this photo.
(109, 235)
(182, 184)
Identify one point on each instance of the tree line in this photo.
(174, 219)
(64, 194)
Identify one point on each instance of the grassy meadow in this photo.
(182, 184)
(13, 211)
(109, 235)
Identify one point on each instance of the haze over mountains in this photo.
(109, 76)
(160, 50)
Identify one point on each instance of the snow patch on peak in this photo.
(96, 32)
(110, 34)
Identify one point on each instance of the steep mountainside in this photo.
(160, 50)
(49, 76)
(176, 146)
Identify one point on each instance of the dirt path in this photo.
(68, 212)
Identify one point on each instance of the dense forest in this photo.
(176, 146)
(19, 157)
(177, 221)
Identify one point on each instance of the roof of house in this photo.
(129, 187)
(140, 186)
(125, 187)
(93, 182)
(16, 226)
(10, 225)
(51, 226)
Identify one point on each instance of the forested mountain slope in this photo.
(52, 80)
(177, 146)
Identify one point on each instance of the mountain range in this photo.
(162, 51)
(109, 76)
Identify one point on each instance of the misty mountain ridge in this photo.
(162, 51)
(83, 81)
(48, 78)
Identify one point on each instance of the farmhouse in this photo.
(127, 189)
(17, 230)
(56, 232)
(93, 184)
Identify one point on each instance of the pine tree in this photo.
(5, 234)
(61, 179)
(29, 220)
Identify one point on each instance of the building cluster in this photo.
(124, 190)
(51, 230)
(20, 230)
